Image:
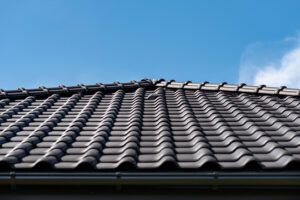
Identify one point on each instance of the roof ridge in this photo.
(205, 86)
(62, 89)
(224, 86)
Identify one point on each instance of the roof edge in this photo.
(152, 178)
(146, 83)
(224, 86)
(62, 89)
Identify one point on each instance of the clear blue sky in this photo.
(69, 42)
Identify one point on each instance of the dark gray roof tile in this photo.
(151, 124)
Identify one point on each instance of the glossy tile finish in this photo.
(149, 125)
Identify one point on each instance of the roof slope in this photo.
(150, 125)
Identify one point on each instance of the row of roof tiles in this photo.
(262, 89)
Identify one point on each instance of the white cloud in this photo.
(273, 64)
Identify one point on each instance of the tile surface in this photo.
(150, 125)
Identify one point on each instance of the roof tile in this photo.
(151, 124)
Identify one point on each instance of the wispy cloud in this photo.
(272, 64)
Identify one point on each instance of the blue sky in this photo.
(69, 42)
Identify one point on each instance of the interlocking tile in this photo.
(150, 125)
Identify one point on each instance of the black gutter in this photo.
(118, 179)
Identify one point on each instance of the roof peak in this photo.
(224, 86)
(205, 86)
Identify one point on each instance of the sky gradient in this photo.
(58, 42)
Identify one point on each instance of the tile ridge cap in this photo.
(224, 86)
(61, 89)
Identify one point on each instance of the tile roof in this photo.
(150, 125)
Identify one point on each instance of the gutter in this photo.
(118, 179)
